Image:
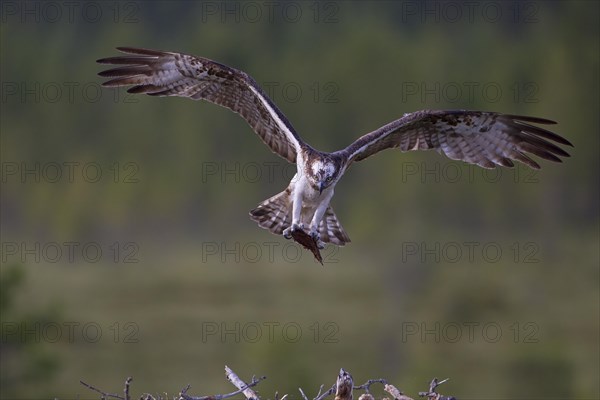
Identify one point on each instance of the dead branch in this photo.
(431, 394)
(342, 389)
(396, 394)
(365, 386)
(241, 385)
(236, 381)
(105, 394)
(326, 394)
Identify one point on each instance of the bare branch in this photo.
(320, 389)
(236, 380)
(127, 383)
(241, 385)
(104, 394)
(320, 396)
(432, 394)
(302, 393)
(365, 386)
(397, 394)
(327, 393)
(184, 390)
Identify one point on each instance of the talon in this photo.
(287, 232)
(317, 238)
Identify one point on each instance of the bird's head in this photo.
(344, 385)
(322, 173)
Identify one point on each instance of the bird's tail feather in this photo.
(330, 229)
(275, 214)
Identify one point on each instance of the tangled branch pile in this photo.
(343, 390)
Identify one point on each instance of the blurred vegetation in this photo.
(25, 359)
(154, 203)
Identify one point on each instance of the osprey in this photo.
(483, 138)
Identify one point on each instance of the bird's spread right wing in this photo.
(160, 73)
(486, 139)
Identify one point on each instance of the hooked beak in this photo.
(321, 187)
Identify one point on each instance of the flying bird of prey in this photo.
(483, 138)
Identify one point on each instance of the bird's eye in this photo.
(329, 178)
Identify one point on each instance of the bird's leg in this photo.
(296, 214)
(314, 224)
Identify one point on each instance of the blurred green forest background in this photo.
(162, 186)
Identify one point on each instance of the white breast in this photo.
(310, 197)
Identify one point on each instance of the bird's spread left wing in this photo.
(160, 73)
(483, 138)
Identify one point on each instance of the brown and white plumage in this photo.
(161, 73)
(275, 214)
(483, 138)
